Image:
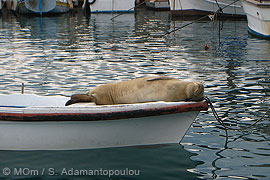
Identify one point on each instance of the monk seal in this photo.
(139, 90)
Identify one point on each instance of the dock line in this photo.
(226, 127)
(127, 10)
(220, 10)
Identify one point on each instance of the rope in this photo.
(220, 10)
(181, 27)
(228, 127)
(128, 10)
(220, 27)
(218, 5)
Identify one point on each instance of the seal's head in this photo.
(195, 91)
(77, 98)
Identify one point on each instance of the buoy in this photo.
(206, 47)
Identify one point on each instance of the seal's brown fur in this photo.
(146, 89)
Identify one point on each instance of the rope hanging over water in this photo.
(226, 128)
(128, 10)
(219, 11)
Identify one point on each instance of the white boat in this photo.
(205, 7)
(110, 6)
(258, 16)
(158, 4)
(42, 6)
(31, 122)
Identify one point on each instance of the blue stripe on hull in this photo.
(259, 35)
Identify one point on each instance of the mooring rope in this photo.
(226, 128)
(128, 10)
(220, 10)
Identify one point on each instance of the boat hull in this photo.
(258, 16)
(26, 125)
(109, 6)
(205, 7)
(158, 5)
(69, 135)
(55, 7)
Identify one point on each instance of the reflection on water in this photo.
(63, 164)
(70, 54)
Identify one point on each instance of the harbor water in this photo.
(68, 54)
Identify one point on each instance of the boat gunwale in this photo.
(19, 114)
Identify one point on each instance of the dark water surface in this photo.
(70, 54)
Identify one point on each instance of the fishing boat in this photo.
(258, 16)
(32, 122)
(158, 4)
(231, 8)
(42, 6)
(109, 6)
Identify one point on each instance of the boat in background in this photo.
(258, 16)
(31, 122)
(158, 5)
(1, 5)
(41, 6)
(180, 8)
(109, 6)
